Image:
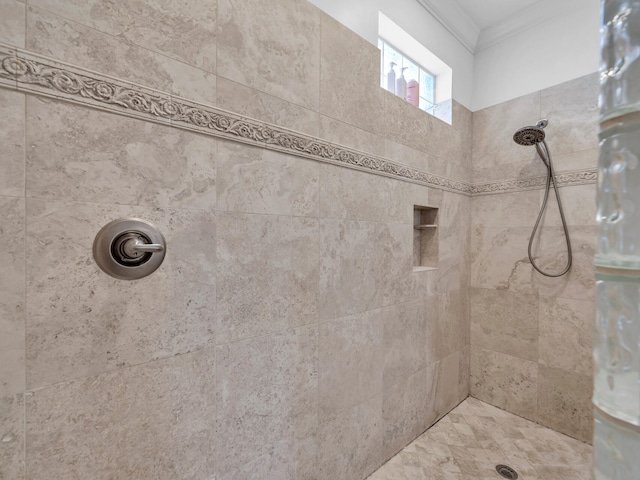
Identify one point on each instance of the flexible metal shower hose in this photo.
(551, 177)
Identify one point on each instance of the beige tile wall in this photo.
(531, 336)
(286, 335)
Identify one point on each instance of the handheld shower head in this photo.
(528, 136)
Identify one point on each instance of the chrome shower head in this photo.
(528, 136)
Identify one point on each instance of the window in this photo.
(393, 59)
(433, 76)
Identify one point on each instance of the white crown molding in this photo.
(452, 17)
(525, 19)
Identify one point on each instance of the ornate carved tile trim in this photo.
(33, 73)
(565, 179)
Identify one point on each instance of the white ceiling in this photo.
(478, 24)
(487, 13)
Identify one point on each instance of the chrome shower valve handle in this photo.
(129, 248)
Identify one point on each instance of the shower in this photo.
(534, 135)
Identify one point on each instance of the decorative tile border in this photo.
(565, 179)
(28, 72)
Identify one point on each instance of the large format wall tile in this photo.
(12, 136)
(572, 110)
(256, 180)
(578, 204)
(354, 195)
(404, 411)
(12, 296)
(12, 453)
(348, 272)
(551, 255)
(405, 124)
(519, 209)
(564, 402)
(500, 260)
(268, 273)
(452, 331)
(351, 94)
(350, 446)
(72, 42)
(403, 343)
(86, 155)
(393, 255)
(505, 381)
(184, 30)
(493, 130)
(505, 321)
(271, 46)
(267, 395)
(152, 421)
(82, 322)
(238, 98)
(336, 131)
(350, 362)
(12, 21)
(566, 334)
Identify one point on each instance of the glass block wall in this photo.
(616, 395)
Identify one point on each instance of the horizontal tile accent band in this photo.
(28, 72)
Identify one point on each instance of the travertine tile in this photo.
(505, 321)
(407, 155)
(82, 322)
(81, 154)
(267, 396)
(578, 203)
(12, 20)
(453, 142)
(342, 133)
(405, 124)
(564, 402)
(238, 98)
(452, 382)
(404, 333)
(184, 31)
(12, 296)
(152, 421)
(12, 131)
(551, 254)
(566, 334)
(493, 130)
(405, 411)
(256, 180)
(572, 110)
(500, 260)
(505, 381)
(469, 442)
(268, 273)
(12, 454)
(518, 209)
(348, 269)
(273, 47)
(350, 446)
(351, 362)
(452, 328)
(354, 195)
(454, 260)
(351, 94)
(393, 257)
(65, 40)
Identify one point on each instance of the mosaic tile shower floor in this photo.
(473, 438)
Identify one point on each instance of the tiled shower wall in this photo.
(286, 335)
(531, 336)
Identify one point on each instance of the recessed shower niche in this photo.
(425, 237)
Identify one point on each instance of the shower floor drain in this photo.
(507, 472)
